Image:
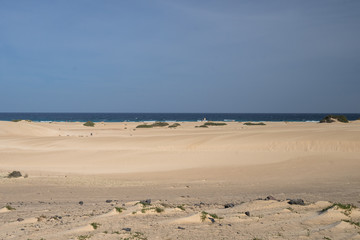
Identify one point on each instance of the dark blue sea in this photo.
(180, 117)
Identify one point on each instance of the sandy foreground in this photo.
(86, 182)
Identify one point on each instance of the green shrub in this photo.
(159, 210)
(330, 119)
(95, 225)
(254, 124)
(16, 120)
(156, 124)
(202, 126)
(89, 124)
(174, 125)
(214, 124)
(144, 126)
(160, 124)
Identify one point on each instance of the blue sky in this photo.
(179, 56)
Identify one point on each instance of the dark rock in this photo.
(146, 202)
(296, 202)
(127, 229)
(229, 225)
(247, 213)
(182, 228)
(81, 202)
(212, 220)
(108, 201)
(229, 205)
(270, 198)
(14, 174)
(20, 219)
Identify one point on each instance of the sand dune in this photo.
(187, 172)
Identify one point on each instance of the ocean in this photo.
(179, 117)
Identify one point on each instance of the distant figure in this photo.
(204, 120)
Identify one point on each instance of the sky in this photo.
(233, 56)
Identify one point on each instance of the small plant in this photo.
(160, 124)
(119, 209)
(202, 126)
(10, 208)
(89, 124)
(203, 215)
(326, 238)
(332, 118)
(14, 174)
(352, 222)
(346, 207)
(159, 210)
(214, 124)
(144, 126)
(254, 124)
(26, 175)
(181, 207)
(83, 237)
(95, 225)
(213, 215)
(174, 125)
(16, 120)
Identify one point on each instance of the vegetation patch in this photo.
(83, 237)
(89, 124)
(254, 124)
(95, 225)
(16, 120)
(10, 208)
(174, 125)
(352, 222)
(333, 118)
(346, 207)
(155, 124)
(181, 207)
(202, 126)
(159, 209)
(144, 126)
(14, 174)
(120, 209)
(215, 124)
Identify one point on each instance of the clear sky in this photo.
(180, 56)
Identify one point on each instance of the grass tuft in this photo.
(254, 124)
(10, 208)
(89, 124)
(95, 225)
(119, 209)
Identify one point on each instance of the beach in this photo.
(220, 182)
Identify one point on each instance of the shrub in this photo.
(14, 174)
(174, 125)
(95, 225)
(159, 210)
(214, 124)
(202, 126)
(156, 124)
(144, 126)
(10, 208)
(89, 124)
(160, 124)
(16, 120)
(254, 124)
(332, 118)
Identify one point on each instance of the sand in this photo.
(189, 174)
